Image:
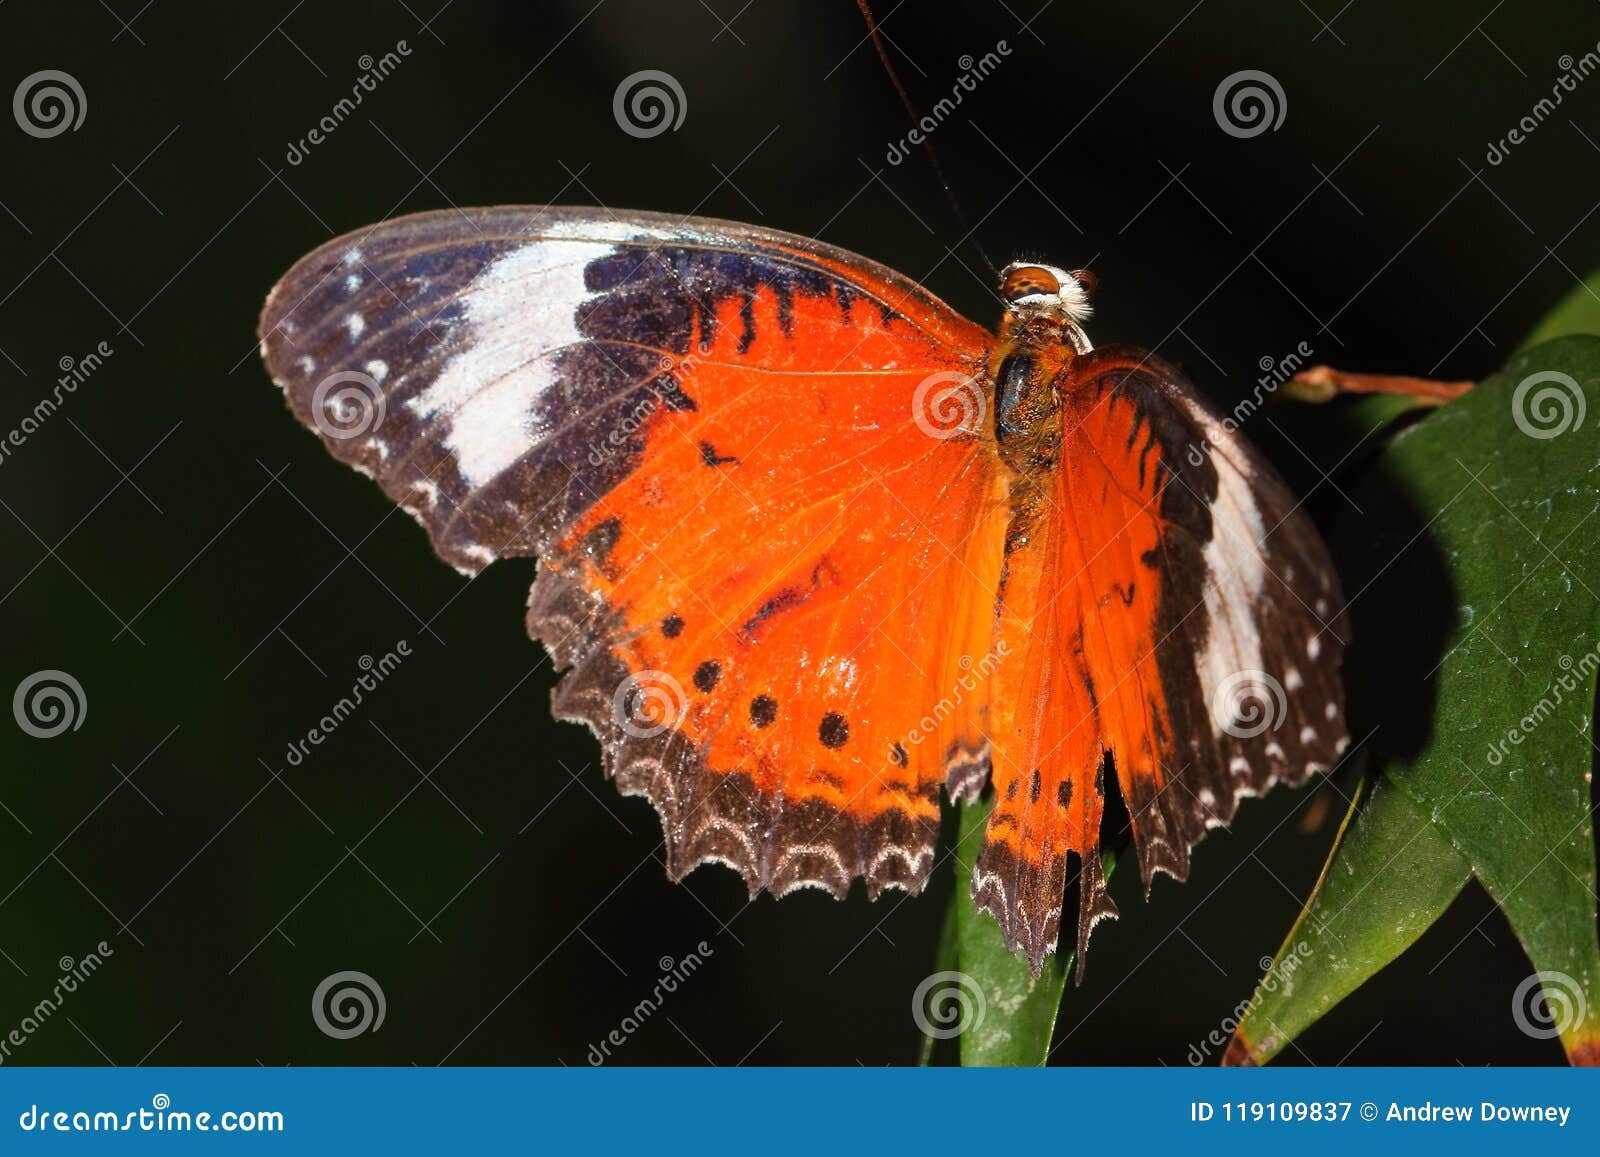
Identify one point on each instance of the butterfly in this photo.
(812, 546)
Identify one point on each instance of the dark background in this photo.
(175, 541)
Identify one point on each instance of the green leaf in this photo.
(1018, 1011)
(1577, 312)
(1393, 874)
(944, 961)
(1473, 572)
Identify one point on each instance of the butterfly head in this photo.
(1032, 289)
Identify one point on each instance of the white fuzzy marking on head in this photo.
(352, 257)
(356, 324)
(1308, 735)
(1239, 765)
(352, 283)
(1331, 711)
(377, 369)
(307, 366)
(1314, 647)
(1292, 680)
(1072, 298)
(1274, 750)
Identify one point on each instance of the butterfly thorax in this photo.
(1029, 367)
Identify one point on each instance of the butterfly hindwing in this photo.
(1181, 618)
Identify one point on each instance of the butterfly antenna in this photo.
(968, 230)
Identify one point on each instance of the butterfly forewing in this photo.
(749, 509)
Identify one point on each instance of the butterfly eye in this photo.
(1029, 281)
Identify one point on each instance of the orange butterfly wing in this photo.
(768, 551)
(1178, 622)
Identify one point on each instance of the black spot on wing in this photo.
(834, 730)
(707, 674)
(763, 710)
(709, 455)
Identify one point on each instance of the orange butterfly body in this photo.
(814, 547)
